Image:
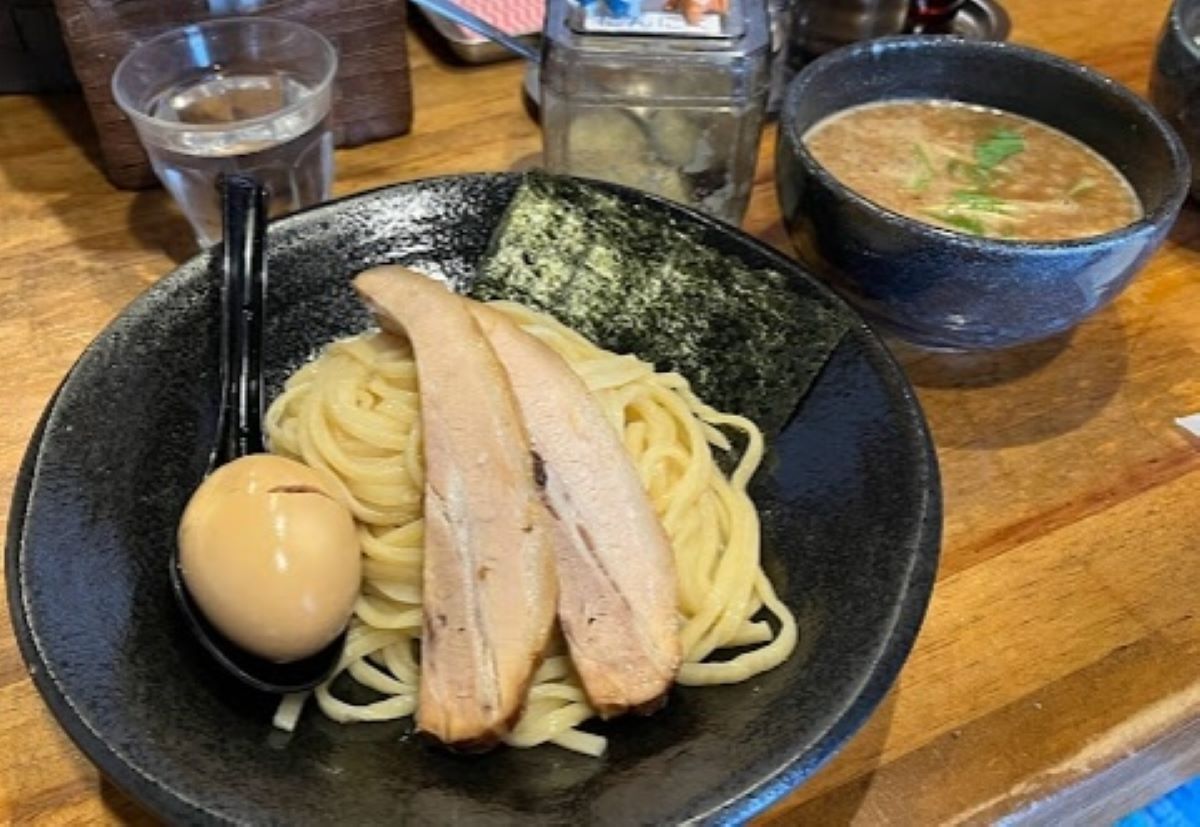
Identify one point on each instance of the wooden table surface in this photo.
(1057, 676)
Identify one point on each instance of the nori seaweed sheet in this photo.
(637, 281)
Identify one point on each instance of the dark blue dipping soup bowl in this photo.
(948, 290)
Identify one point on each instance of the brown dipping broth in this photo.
(975, 170)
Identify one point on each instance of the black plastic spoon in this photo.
(239, 425)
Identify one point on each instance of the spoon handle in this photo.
(244, 201)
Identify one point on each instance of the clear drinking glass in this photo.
(242, 94)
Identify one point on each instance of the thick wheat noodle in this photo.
(354, 413)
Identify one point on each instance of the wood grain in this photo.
(1057, 678)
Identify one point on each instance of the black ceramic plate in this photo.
(851, 525)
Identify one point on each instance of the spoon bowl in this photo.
(259, 673)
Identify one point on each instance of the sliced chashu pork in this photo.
(489, 588)
(618, 599)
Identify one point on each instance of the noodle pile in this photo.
(355, 412)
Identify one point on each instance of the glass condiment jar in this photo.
(657, 104)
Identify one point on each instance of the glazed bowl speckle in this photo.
(948, 290)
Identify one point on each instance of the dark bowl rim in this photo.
(912, 601)
(1163, 214)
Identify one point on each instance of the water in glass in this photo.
(272, 134)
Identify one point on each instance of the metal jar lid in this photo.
(982, 20)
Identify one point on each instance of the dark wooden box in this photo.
(372, 94)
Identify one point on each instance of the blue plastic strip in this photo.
(1178, 808)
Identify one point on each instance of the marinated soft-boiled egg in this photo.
(270, 556)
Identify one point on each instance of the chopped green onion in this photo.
(1081, 186)
(924, 175)
(998, 148)
(981, 202)
(968, 174)
(961, 222)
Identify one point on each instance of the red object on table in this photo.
(932, 15)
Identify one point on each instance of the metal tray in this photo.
(471, 49)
